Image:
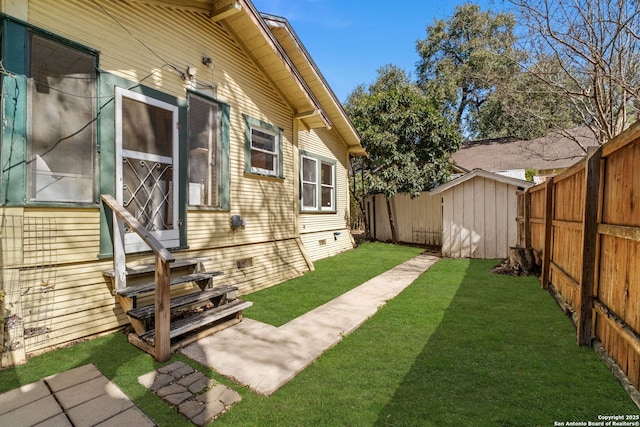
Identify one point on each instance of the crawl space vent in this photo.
(244, 263)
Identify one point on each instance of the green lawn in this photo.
(331, 278)
(459, 347)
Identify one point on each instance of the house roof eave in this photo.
(292, 44)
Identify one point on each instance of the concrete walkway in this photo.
(264, 357)
(81, 397)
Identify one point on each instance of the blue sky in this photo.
(350, 39)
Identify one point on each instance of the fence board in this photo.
(591, 246)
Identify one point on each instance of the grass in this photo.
(331, 278)
(459, 347)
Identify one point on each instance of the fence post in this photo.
(548, 221)
(589, 237)
(527, 218)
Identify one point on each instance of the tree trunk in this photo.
(520, 262)
(394, 238)
(522, 259)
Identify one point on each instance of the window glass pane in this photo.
(263, 141)
(263, 152)
(309, 195)
(61, 123)
(327, 197)
(204, 170)
(263, 161)
(308, 170)
(327, 174)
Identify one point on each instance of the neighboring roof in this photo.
(483, 174)
(292, 71)
(554, 151)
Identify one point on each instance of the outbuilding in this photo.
(471, 216)
(479, 211)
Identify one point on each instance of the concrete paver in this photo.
(22, 396)
(75, 395)
(264, 357)
(79, 397)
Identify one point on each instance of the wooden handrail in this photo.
(153, 243)
(162, 348)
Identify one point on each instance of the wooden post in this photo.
(119, 262)
(394, 237)
(589, 237)
(547, 245)
(162, 314)
(527, 218)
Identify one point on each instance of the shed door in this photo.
(147, 166)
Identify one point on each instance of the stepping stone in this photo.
(192, 378)
(171, 389)
(180, 386)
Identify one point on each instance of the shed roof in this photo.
(555, 151)
(483, 174)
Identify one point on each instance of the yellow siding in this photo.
(156, 37)
(317, 227)
(326, 243)
(60, 290)
(51, 269)
(11, 248)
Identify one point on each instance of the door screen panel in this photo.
(146, 167)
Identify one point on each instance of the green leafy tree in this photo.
(465, 58)
(524, 107)
(408, 142)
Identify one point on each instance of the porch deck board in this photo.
(148, 311)
(183, 326)
(150, 268)
(132, 291)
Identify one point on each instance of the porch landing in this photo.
(264, 357)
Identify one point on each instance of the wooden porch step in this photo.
(135, 290)
(150, 268)
(148, 311)
(183, 326)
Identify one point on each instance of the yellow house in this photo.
(204, 120)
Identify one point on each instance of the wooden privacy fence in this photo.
(585, 223)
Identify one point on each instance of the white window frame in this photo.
(319, 185)
(274, 153)
(251, 125)
(314, 183)
(332, 207)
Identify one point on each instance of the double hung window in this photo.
(318, 183)
(263, 147)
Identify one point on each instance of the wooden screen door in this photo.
(147, 166)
